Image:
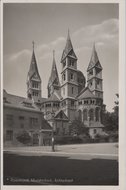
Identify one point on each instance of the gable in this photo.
(36, 76)
(61, 115)
(72, 54)
(98, 64)
(86, 93)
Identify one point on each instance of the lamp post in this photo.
(53, 148)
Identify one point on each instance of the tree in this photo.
(77, 128)
(110, 119)
(115, 114)
(24, 137)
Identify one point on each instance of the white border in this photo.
(122, 97)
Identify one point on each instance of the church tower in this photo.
(69, 78)
(53, 83)
(33, 80)
(94, 75)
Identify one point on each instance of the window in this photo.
(72, 90)
(71, 76)
(72, 103)
(27, 104)
(85, 115)
(21, 117)
(33, 121)
(98, 82)
(80, 102)
(91, 72)
(64, 63)
(93, 102)
(79, 115)
(35, 93)
(55, 104)
(10, 120)
(95, 131)
(85, 101)
(34, 84)
(9, 135)
(97, 114)
(64, 77)
(71, 62)
(48, 105)
(91, 115)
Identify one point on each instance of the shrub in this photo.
(24, 138)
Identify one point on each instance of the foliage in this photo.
(68, 140)
(77, 128)
(111, 119)
(24, 138)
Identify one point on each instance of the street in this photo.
(84, 164)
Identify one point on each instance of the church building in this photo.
(70, 97)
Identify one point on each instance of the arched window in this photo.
(80, 115)
(91, 115)
(85, 115)
(97, 114)
(72, 90)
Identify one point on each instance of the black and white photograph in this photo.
(61, 94)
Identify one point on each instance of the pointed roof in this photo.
(52, 98)
(33, 66)
(86, 93)
(68, 48)
(94, 61)
(54, 78)
(60, 115)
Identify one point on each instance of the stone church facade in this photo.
(70, 97)
(70, 94)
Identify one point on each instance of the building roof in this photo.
(45, 125)
(33, 67)
(68, 49)
(54, 78)
(94, 61)
(86, 93)
(52, 98)
(60, 115)
(58, 93)
(19, 102)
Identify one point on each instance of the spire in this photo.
(33, 66)
(94, 59)
(33, 43)
(68, 47)
(54, 56)
(54, 79)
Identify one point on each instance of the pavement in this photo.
(105, 150)
(79, 164)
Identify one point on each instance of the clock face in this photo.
(48, 115)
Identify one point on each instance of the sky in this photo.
(47, 24)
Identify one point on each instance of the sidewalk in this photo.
(106, 149)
